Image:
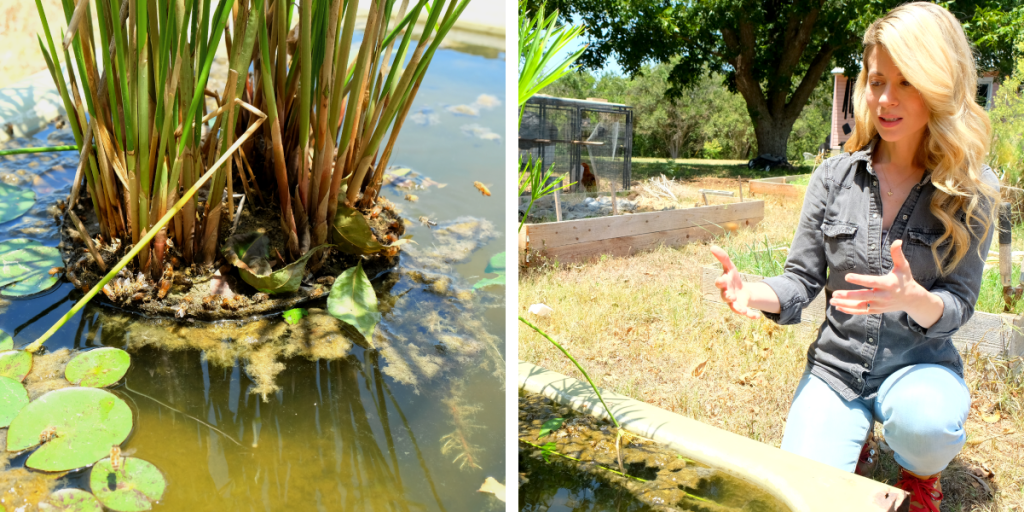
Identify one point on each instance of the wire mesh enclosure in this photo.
(588, 142)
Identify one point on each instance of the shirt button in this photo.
(871, 340)
(872, 246)
(904, 217)
(873, 182)
(860, 379)
(867, 364)
(874, 215)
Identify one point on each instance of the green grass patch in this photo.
(686, 169)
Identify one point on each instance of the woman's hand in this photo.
(733, 291)
(895, 291)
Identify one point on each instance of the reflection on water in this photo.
(413, 424)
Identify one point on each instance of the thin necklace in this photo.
(898, 185)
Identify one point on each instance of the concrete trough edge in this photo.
(802, 484)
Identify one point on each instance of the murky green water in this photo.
(376, 429)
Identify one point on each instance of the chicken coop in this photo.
(589, 142)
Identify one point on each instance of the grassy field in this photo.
(692, 168)
(639, 326)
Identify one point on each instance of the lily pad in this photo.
(15, 364)
(351, 233)
(15, 201)
(86, 422)
(496, 265)
(249, 253)
(13, 398)
(98, 368)
(6, 341)
(25, 266)
(353, 301)
(132, 487)
(71, 500)
(294, 316)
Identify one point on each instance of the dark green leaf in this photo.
(15, 364)
(15, 201)
(352, 234)
(26, 267)
(353, 301)
(98, 368)
(294, 316)
(86, 423)
(130, 488)
(13, 398)
(549, 426)
(71, 500)
(249, 252)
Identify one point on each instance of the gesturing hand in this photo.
(731, 285)
(895, 291)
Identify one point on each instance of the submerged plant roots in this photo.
(201, 293)
(672, 482)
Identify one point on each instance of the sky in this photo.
(611, 65)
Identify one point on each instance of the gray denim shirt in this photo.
(840, 232)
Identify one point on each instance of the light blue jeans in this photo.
(922, 408)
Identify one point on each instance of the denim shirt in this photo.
(840, 232)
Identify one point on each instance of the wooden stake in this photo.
(558, 206)
(615, 202)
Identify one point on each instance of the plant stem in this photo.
(48, 149)
(578, 367)
(578, 460)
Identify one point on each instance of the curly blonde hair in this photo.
(930, 48)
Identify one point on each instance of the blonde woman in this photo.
(894, 230)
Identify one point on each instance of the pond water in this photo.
(413, 425)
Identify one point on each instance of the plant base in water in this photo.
(217, 292)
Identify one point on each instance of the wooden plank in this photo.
(626, 245)
(777, 189)
(553, 235)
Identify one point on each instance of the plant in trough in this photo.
(305, 125)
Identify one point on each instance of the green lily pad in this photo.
(71, 500)
(353, 301)
(98, 368)
(86, 423)
(132, 487)
(294, 316)
(249, 253)
(15, 201)
(25, 266)
(351, 233)
(6, 341)
(15, 364)
(13, 398)
(496, 265)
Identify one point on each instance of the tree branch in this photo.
(810, 81)
(742, 46)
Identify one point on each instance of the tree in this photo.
(773, 53)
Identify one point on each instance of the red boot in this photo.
(925, 491)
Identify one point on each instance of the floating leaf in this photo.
(25, 266)
(86, 423)
(15, 364)
(13, 398)
(294, 316)
(6, 341)
(496, 265)
(549, 426)
(494, 487)
(351, 233)
(130, 488)
(15, 201)
(98, 368)
(71, 500)
(353, 301)
(249, 253)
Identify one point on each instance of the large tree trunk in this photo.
(773, 135)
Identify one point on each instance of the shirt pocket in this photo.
(840, 247)
(919, 253)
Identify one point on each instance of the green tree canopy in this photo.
(773, 53)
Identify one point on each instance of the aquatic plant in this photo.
(98, 368)
(131, 485)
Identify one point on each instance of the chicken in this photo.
(589, 180)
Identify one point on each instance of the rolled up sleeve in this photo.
(805, 271)
(959, 290)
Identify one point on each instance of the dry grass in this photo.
(640, 328)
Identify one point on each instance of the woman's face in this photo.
(897, 110)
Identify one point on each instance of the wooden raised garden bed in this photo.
(994, 334)
(622, 235)
(779, 186)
